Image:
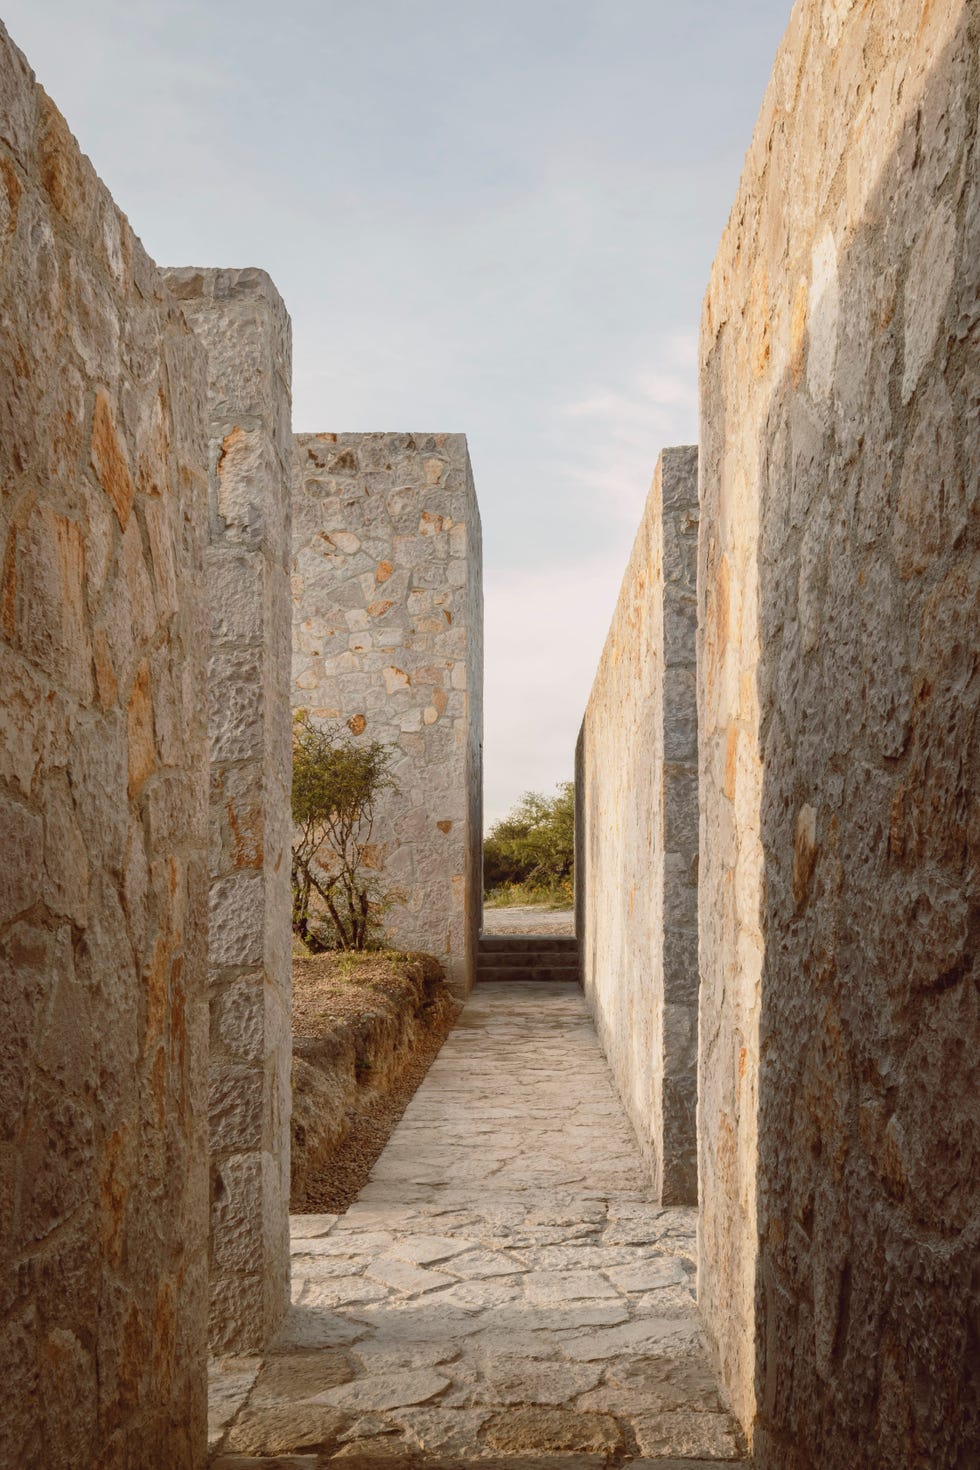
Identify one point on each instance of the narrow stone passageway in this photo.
(504, 1291)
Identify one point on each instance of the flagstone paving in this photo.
(505, 1291)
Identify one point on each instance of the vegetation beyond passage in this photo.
(338, 901)
(528, 857)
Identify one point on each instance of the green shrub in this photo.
(534, 846)
(338, 901)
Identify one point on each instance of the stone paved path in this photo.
(529, 919)
(503, 1292)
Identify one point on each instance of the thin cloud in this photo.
(626, 428)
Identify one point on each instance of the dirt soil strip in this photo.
(366, 1029)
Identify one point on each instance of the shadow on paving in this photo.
(504, 1292)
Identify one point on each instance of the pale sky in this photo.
(494, 217)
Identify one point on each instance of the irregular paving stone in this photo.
(648, 1336)
(513, 1380)
(312, 1327)
(349, 1242)
(475, 1296)
(229, 1383)
(668, 1301)
(579, 1257)
(338, 1291)
(476, 1265)
(419, 1320)
(553, 1430)
(300, 1376)
(525, 1322)
(573, 1318)
(302, 1227)
(445, 1431)
(385, 1356)
(279, 1429)
(549, 1287)
(369, 1426)
(653, 1386)
(648, 1275)
(387, 1391)
(686, 1435)
(424, 1250)
(404, 1277)
(321, 1268)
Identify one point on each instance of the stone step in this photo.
(543, 943)
(526, 974)
(557, 957)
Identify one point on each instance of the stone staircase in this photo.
(527, 957)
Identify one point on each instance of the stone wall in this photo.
(240, 318)
(388, 637)
(103, 1020)
(839, 584)
(637, 833)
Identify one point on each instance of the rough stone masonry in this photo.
(240, 318)
(388, 638)
(839, 586)
(103, 801)
(637, 838)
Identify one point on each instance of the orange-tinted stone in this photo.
(109, 461)
(139, 729)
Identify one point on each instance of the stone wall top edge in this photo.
(673, 459)
(223, 283)
(453, 445)
(784, 89)
(679, 477)
(27, 110)
(356, 436)
(792, 39)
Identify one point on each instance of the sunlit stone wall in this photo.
(637, 838)
(840, 749)
(103, 802)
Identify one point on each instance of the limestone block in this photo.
(387, 637)
(236, 613)
(236, 1109)
(637, 830)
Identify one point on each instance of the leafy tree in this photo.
(535, 843)
(337, 899)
